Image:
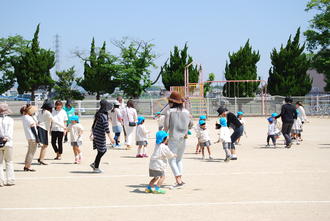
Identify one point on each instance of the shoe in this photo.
(289, 145)
(148, 190)
(211, 158)
(228, 159)
(145, 155)
(2, 185)
(233, 158)
(159, 191)
(10, 184)
(267, 145)
(57, 158)
(139, 156)
(298, 143)
(179, 184)
(42, 162)
(203, 157)
(92, 166)
(29, 170)
(97, 170)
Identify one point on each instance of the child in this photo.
(296, 129)
(204, 139)
(75, 129)
(240, 118)
(278, 126)
(141, 138)
(116, 121)
(160, 119)
(224, 137)
(197, 131)
(158, 163)
(271, 131)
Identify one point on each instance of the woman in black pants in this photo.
(100, 129)
(57, 133)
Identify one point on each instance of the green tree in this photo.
(207, 86)
(100, 72)
(10, 49)
(136, 59)
(242, 66)
(318, 38)
(173, 70)
(288, 74)
(65, 86)
(32, 68)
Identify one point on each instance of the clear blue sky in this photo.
(211, 28)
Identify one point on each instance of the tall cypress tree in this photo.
(32, 68)
(242, 66)
(173, 70)
(288, 74)
(65, 86)
(99, 72)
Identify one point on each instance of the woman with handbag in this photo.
(129, 115)
(6, 146)
(177, 123)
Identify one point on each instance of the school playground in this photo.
(263, 184)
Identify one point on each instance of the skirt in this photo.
(43, 135)
(156, 173)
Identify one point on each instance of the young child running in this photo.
(240, 118)
(278, 126)
(224, 137)
(197, 129)
(141, 138)
(271, 131)
(160, 120)
(76, 130)
(296, 129)
(204, 139)
(158, 163)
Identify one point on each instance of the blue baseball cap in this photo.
(158, 113)
(201, 122)
(140, 119)
(74, 118)
(223, 122)
(202, 117)
(240, 113)
(160, 136)
(274, 114)
(270, 119)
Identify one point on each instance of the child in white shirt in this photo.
(204, 139)
(197, 131)
(76, 130)
(158, 163)
(141, 138)
(271, 131)
(224, 137)
(160, 120)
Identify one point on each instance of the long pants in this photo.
(117, 135)
(286, 130)
(238, 132)
(57, 138)
(6, 154)
(271, 137)
(31, 151)
(178, 148)
(129, 135)
(98, 158)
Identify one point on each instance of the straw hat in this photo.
(30, 110)
(175, 97)
(4, 109)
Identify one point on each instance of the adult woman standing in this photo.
(6, 146)
(116, 122)
(100, 128)
(30, 129)
(129, 115)
(177, 122)
(57, 133)
(45, 118)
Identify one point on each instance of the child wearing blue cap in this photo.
(158, 163)
(240, 115)
(271, 131)
(204, 139)
(76, 130)
(224, 137)
(160, 120)
(296, 128)
(197, 131)
(278, 126)
(141, 138)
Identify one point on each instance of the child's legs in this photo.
(160, 181)
(197, 147)
(144, 149)
(226, 147)
(117, 136)
(273, 139)
(202, 149)
(209, 150)
(153, 181)
(76, 150)
(268, 138)
(139, 151)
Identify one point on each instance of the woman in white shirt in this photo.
(6, 146)
(30, 129)
(116, 122)
(129, 115)
(45, 119)
(60, 116)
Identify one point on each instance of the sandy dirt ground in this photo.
(263, 184)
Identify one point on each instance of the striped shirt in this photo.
(101, 127)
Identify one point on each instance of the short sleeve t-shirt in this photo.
(75, 131)
(45, 119)
(27, 122)
(70, 112)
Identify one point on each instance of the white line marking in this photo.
(188, 174)
(174, 205)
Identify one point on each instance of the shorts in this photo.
(278, 134)
(116, 129)
(296, 131)
(226, 145)
(43, 135)
(76, 143)
(142, 143)
(205, 144)
(156, 173)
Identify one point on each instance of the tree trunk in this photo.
(97, 95)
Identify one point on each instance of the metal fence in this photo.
(257, 106)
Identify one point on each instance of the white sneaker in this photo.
(97, 170)
(2, 184)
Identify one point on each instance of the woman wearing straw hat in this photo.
(177, 122)
(30, 129)
(6, 146)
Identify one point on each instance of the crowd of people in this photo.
(174, 126)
